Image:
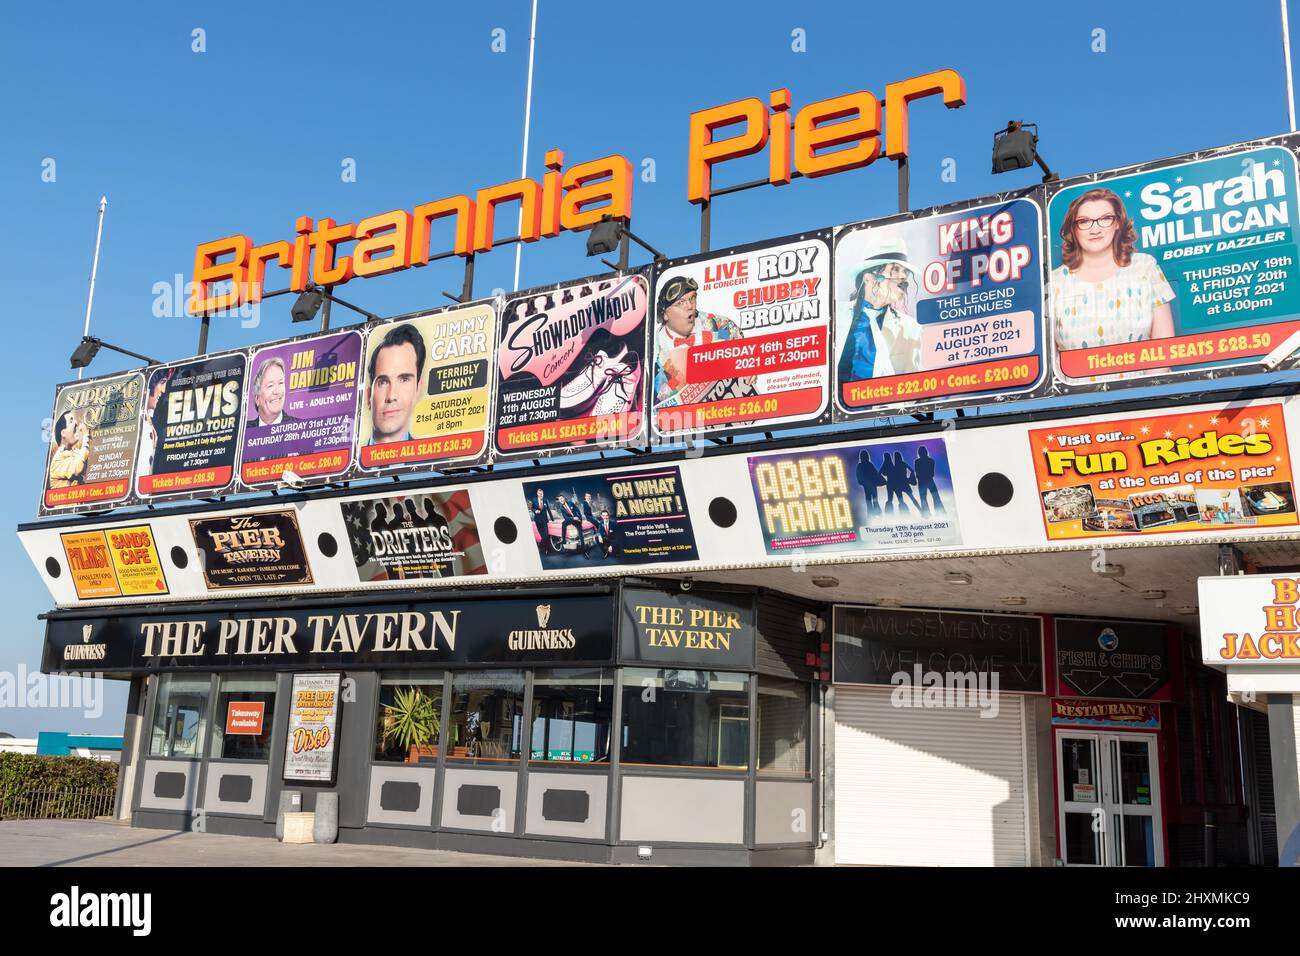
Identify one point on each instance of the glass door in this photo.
(1108, 790)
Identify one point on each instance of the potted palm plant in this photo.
(413, 722)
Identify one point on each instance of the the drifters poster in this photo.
(742, 339)
(399, 537)
(189, 432)
(944, 307)
(302, 409)
(1193, 471)
(571, 366)
(428, 385)
(1191, 265)
(250, 551)
(637, 517)
(863, 498)
(93, 438)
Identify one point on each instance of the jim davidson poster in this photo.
(896, 494)
(1188, 266)
(399, 537)
(571, 367)
(94, 433)
(939, 308)
(302, 409)
(189, 432)
(741, 339)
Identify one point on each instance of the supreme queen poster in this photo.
(571, 366)
(741, 339)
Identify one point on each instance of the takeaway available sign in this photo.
(1250, 619)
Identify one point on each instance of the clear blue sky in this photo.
(252, 133)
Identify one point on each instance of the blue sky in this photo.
(253, 132)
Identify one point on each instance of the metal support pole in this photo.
(704, 225)
(624, 244)
(467, 290)
(325, 310)
(904, 182)
(203, 333)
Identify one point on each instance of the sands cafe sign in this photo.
(828, 136)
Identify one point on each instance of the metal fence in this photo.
(57, 804)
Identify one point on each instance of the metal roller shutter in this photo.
(929, 787)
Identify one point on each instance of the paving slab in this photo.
(104, 843)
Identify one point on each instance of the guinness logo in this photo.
(543, 638)
(543, 615)
(86, 630)
(85, 651)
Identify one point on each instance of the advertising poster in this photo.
(592, 520)
(896, 494)
(189, 431)
(571, 367)
(1250, 619)
(94, 433)
(313, 728)
(945, 307)
(427, 389)
(398, 537)
(741, 339)
(1126, 660)
(302, 409)
(251, 551)
(1186, 267)
(119, 562)
(1152, 474)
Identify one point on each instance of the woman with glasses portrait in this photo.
(1103, 292)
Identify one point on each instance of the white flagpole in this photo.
(94, 268)
(528, 114)
(1286, 51)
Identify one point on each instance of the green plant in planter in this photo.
(411, 720)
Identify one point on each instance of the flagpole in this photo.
(94, 268)
(528, 114)
(1286, 52)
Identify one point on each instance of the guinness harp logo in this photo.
(86, 630)
(543, 615)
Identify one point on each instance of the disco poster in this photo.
(741, 339)
(606, 520)
(302, 409)
(886, 495)
(571, 367)
(422, 535)
(427, 389)
(939, 309)
(189, 429)
(94, 433)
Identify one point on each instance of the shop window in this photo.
(683, 718)
(180, 717)
(486, 715)
(572, 711)
(408, 726)
(241, 727)
(783, 725)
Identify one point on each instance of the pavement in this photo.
(105, 843)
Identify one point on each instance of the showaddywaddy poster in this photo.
(302, 409)
(741, 339)
(1192, 265)
(428, 382)
(94, 434)
(189, 430)
(571, 366)
(890, 494)
(943, 307)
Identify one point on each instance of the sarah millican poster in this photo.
(189, 431)
(1189, 266)
(250, 551)
(302, 409)
(895, 494)
(398, 537)
(941, 308)
(741, 339)
(638, 517)
(427, 389)
(94, 433)
(1192, 471)
(571, 366)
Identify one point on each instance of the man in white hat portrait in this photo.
(884, 338)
